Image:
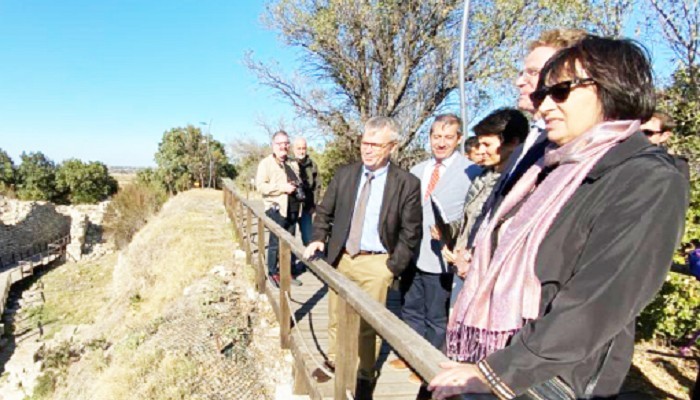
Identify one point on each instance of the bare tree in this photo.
(394, 58)
(399, 58)
(680, 25)
(245, 155)
(608, 17)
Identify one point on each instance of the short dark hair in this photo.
(620, 69)
(509, 123)
(447, 120)
(666, 121)
(470, 143)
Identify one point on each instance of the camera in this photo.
(299, 193)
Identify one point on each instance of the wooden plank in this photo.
(303, 365)
(261, 270)
(240, 214)
(248, 236)
(301, 385)
(346, 343)
(285, 260)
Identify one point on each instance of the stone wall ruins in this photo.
(27, 227)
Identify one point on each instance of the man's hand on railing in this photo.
(457, 378)
(312, 249)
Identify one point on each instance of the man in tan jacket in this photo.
(277, 181)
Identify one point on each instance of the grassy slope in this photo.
(184, 241)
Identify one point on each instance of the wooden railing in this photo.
(353, 303)
(24, 267)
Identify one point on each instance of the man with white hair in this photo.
(369, 224)
(276, 180)
(308, 176)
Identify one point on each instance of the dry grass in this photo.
(180, 245)
(85, 284)
(123, 178)
(126, 295)
(150, 374)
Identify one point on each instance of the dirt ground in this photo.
(662, 372)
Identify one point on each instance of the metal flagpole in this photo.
(462, 93)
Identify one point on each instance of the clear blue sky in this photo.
(102, 80)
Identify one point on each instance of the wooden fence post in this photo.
(240, 214)
(346, 343)
(232, 215)
(300, 386)
(261, 271)
(285, 260)
(249, 236)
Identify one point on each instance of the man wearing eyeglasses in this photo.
(275, 181)
(523, 157)
(658, 130)
(369, 225)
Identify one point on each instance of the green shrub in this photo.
(78, 182)
(56, 361)
(36, 177)
(674, 313)
(130, 209)
(45, 386)
(7, 173)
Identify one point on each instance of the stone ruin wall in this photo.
(86, 229)
(26, 227)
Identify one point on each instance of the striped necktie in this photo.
(434, 178)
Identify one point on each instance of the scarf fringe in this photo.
(471, 344)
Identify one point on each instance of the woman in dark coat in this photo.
(583, 241)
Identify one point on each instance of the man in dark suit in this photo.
(369, 223)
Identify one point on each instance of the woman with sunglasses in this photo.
(583, 241)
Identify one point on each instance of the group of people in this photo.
(527, 262)
(288, 187)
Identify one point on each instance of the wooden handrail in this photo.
(24, 267)
(421, 355)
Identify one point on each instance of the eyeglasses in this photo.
(559, 92)
(375, 146)
(529, 72)
(650, 132)
(282, 144)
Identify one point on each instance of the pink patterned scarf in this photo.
(501, 291)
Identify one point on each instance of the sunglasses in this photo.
(559, 92)
(650, 132)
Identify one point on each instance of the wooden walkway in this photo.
(24, 268)
(303, 315)
(309, 305)
(310, 309)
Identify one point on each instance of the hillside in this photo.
(172, 316)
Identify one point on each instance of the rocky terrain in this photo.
(172, 316)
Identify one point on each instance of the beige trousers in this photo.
(371, 274)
